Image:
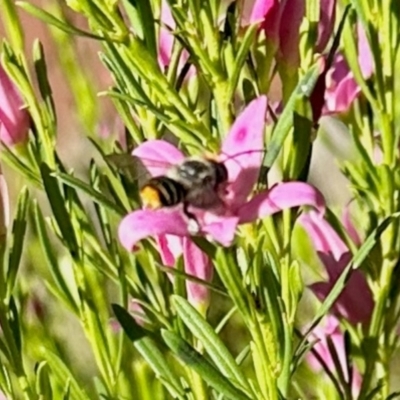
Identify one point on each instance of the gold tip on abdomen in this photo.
(150, 197)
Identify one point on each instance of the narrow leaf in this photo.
(214, 346)
(18, 235)
(199, 364)
(285, 122)
(57, 203)
(96, 196)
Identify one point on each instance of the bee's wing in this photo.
(136, 168)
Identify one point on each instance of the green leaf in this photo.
(43, 385)
(42, 79)
(62, 290)
(214, 346)
(51, 20)
(240, 58)
(149, 350)
(18, 236)
(16, 163)
(282, 128)
(199, 364)
(133, 330)
(95, 195)
(61, 215)
(62, 374)
(13, 319)
(145, 14)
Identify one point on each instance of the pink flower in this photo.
(341, 87)
(355, 303)
(330, 328)
(243, 166)
(281, 22)
(14, 119)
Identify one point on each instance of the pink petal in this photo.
(364, 53)
(141, 224)
(158, 155)
(166, 38)
(331, 328)
(326, 23)
(355, 302)
(242, 150)
(341, 89)
(280, 197)
(256, 11)
(221, 229)
(289, 31)
(14, 120)
(170, 248)
(198, 264)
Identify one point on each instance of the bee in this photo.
(198, 182)
(195, 182)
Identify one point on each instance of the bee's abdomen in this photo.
(162, 192)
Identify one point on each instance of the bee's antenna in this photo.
(233, 156)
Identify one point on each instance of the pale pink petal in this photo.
(364, 53)
(198, 264)
(158, 155)
(326, 23)
(221, 229)
(170, 247)
(14, 119)
(166, 38)
(141, 224)
(242, 150)
(330, 327)
(341, 88)
(355, 303)
(280, 197)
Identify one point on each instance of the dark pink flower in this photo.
(355, 303)
(243, 165)
(330, 328)
(14, 119)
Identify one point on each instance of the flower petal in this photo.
(221, 229)
(141, 224)
(157, 156)
(280, 197)
(355, 302)
(14, 119)
(198, 264)
(326, 23)
(242, 150)
(170, 248)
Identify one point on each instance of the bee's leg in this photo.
(193, 224)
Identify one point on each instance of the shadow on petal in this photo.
(141, 224)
